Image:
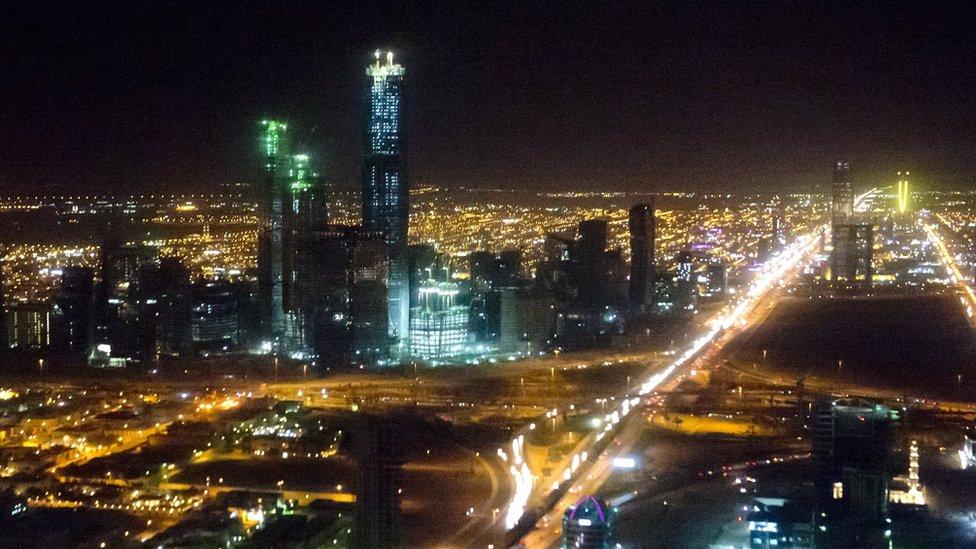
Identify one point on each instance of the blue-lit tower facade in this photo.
(385, 194)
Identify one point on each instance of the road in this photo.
(729, 323)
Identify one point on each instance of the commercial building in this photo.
(780, 523)
(291, 203)
(851, 448)
(385, 193)
(163, 309)
(272, 195)
(344, 301)
(851, 261)
(841, 193)
(216, 313)
(438, 324)
(589, 524)
(378, 450)
(30, 325)
(642, 227)
(75, 299)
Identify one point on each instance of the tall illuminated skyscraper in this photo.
(385, 194)
(272, 199)
(904, 193)
(842, 194)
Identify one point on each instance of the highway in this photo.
(748, 309)
(727, 324)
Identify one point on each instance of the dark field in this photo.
(918, 342)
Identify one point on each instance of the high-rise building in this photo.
(642, 230)
(305, 210)
(215, 317)
(344, 301)
(438, 323)
(589, 524)
(116, 328)
(378, 448)
(851, 261)
(592, 263)
(163, 305)
(30, 325)
(385, 193)
(842, 193)
(75, 299)
(903, 192)
(851, 441)
(273, 197)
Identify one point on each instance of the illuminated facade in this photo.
(385, 194)
(290, 200)
(438, 325)
(851, 260)
(842, 194)
(274, 148)
(904, 193)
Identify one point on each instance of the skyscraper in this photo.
(438, 324)
(592, 263)
(642, 230)
(75, 298)
(343, 301)
(904, 193)
(385, 194)
(304, 211)
(272, 200)
(851, 439)
(842, 194)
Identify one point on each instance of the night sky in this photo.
(686, 96)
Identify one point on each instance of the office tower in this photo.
(378, 449)
(30, 325)
(527, 320)
(438, 323)
(385, 194)
(490, 276)
(592, 263)
(75, 299)
(344, 305)
(215, 317)
(273, 197)
(163, 306)
(304, 210)
(115, 295)
(903, 192)
(851, 261)
(851, 439)
(589, 524)
(842, 194)
(642, 229)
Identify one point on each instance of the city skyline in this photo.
(643, 106)
(353, 335)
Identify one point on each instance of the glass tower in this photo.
(385, 194)
(274, 148)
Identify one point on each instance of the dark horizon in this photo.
(719, 96)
